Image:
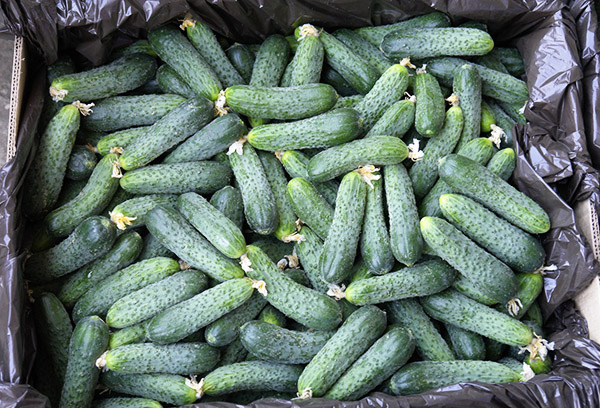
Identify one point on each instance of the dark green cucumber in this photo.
(377, 364)
(148, 358)
(423, 376)
(122, 75)
(170, 82)
(122, 402)
(271, 60)
(363, 48)
(242, 59)
(477, 182)
(128, 335)
(131, 213)
(519, 250)
(296, 165)
(360, 271)
(375, 34)
(471, 289)
(169, 388)
(512, 363)
(375, 240)
(273, 316)
(503, 163)
(150, 300)
(69, 191)
(494, 350)
(45, 178)
(139, 46)
(174, 232)
(309, 251)
(120, 197)
(514, 110)
(430, 109)
(396, 120)
(232, 353)
(467, 345)
(173, 48)
(185, 318)
(124, 251)
(90, 240)
(505, 122)
(530, 287)
(430, 343)
(332, 77)
(94, 197)
(88, 342)
(487, 117)
(91, 137)
(228, 200)
(81, 163)
(308, 61)
(467, 86)
(306, 306)
(491, 62)
(534, 313)
(351, 340)
(121, 138)
(40, 239)
(63, 66)
(153, 248)
(260, 208)
(182, 121)
(419, 280)
(348, 101)
(511, 59)
(275, 249)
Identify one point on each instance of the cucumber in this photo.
(378, 363)
(339, 249)
(185, 318)
(503, 163)
(215, 137)
(487, 117)
(271, 60)
(226, 329)
(348, 101)
(324, 130)
(454, 308)
(308, 61)
(81, 163)
(88, 342)
(491, 62)
(122, 75)
(351, 340)
(124, 251)
(494, 350)
(475, 24)
(512, 363)
(233, 353)
(338, 160)
(153, 248)
(511, 59)
(477, 182)
(94, 197)
(85, 137)
(332, 77)
(173, 48)
(242, 59)
(228, 200)
(375, 240)
(530, 287)
(252, 375)
(260, 208)
(517, 249)
(121, 138)
(423, 376)
(40, 239)
(45, 178)
(534, 314)
(174, 232)
(396, 120)
(424, 172)
(122, 402)
(430, 109)
(90, 240)
(275, 249)
(467, 86)
(120, 197)
(286, 78)
(466, 345)
(128, 335)
(205, 41)
(124, 112)
(360, 271)
(364, 49)
(420, 43)
(148, 301)
(296, 102)
(430, 344)
(139, 46)
(170, 82)
(169, 388)
(150, 87)
(131, 213)
(296, 165)
(419, 280)
(375, 34)
(309, 251)
(505, 122)
(472, 290)
(69, 190)
(273, 316)
(63, 66)
(148, 358)
(306, 306)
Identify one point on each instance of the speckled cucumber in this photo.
(128, 335)
(534, 313)
(135, 209)
(88, 342)
(333, 78)
(466, 345)
(396, 120)
(139, 46)
(271, 60)
(530, 287)
(430, 107)
(275, 249)
(491, 62)
(121, 138)
(296, 165)
(375, 34)
(348, 101)
(363, 48)
(503, 163)
(232, 353)
(309, 251)
(153, 248)
(467, 86)
(242, 59)
(487, 117)
(505, 122)
(123, 402)
(81, 163)
(471, 289)
(273, 316)
(63, 66)
(375, 240)
(170, 82)
(169, 388)
(310, 206)
(228, 200)
(308, 61)
(122, 75)
(511, 59)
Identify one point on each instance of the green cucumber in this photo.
(139, 46)
(121, 138)
(296, 165)
(122, 75)
(375, 240)
(242, 59)
(88, 342)
(309, 251)
(275, 249)
(503, 163)
(308, 61)
(530, 287)
(169, 388)
(148, 301)
(474, 24)
(91, 137)
(534, 313)
(153, 248)
(491, 62)
(131, 213)
(360, 271)
(364, 49)
(273, 316)
(40, 239)
(81, 163)
(69, 190)
(375, 34)
(348, 101)
(173, 48)
(232, 353)
(124, 251)
(90, 240)
(351, 340)
(505, 122)
(148, 358)
(332, 77)
(396, 120)
(430, 109)
(467, 86)
(120, 197)
(121, 402)
(271, 60)
(174, 232)
(487, 117)
(228, 200)
(494, 350)
(128, 335)
(512, 363)
(170, 82)
(63, 66)
(423, 376)
(511, 59)
(466, 345)
(94, 197)
(286, 78)
(477, 182)
(471, 289)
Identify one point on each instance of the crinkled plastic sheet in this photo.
(555, 152)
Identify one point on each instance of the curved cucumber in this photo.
(375, 240)
(81, 163)
(170, 82)
(396, 120)
(296, 165)
(430, 106)
(310, 206)
(467, 345)
(307, 62)
(132, 212)
(128, 335)
(121, 138)
(363, 48)
(530, 287)
(228, 200)
(467, 86)
(309, 251)
(242, 59)
(375, 34)
(122, 402)
(503, 163)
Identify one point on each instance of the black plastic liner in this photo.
(556, 151)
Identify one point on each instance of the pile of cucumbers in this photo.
(319, 215)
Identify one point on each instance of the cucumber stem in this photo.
(336, 291)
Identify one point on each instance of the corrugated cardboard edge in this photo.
(16, 95)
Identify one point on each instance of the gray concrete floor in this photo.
(6, 57)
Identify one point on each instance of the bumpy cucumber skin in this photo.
(514, 247)
(90, 240)
(173, 48)
(491, 62)
(376, 34)
(123, 112)
(120, 76)
(467, 345)
(275, 249)
(422, 376)
(233, 353)
(273, 316)
(124, 251)
(363, 48)
(169, 388)
(122, 402)
(242, 59)
(471, 289)
(332, 77)
(88, 342)
(467, 85)
(396, 120)
(296, 165)
(271, 60)
(304, 305)
(530, 287)
(175, 233)
(45, 178)
(309, 62)
(252, 375)
(61, 67)
(260, 208)
(503, 163)
(379, 362)
(286, 78)
(430, 107)
(121, 139)
(148, 358)
(505, 122)
(170, 82)
(511, 59)
(477, 182)
(487, 117)
(351, 340)
(128, 335)
(69, 190)
(138, 207)
(337, 160)
(153, 248)
(348, 102)
(309, 251)
(94, 197)
(185, 318)
(228, 200)
(150, 300)
(81, 163)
